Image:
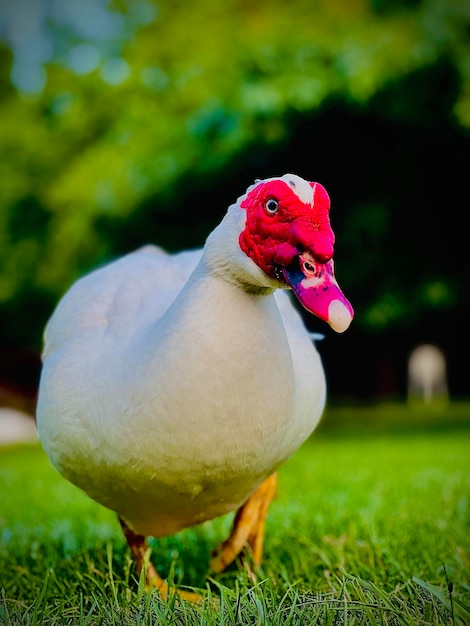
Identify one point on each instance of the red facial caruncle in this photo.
(288, 235)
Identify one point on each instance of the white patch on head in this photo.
(299, 186)
(302, 188)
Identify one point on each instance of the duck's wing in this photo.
(122, 297)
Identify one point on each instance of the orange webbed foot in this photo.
(248, 528)
(140, 552)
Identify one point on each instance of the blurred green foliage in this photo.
(129, 128)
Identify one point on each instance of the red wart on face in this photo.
(288, 235)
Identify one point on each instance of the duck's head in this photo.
(287, 233)
(278, 235)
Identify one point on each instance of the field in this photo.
(371, 525)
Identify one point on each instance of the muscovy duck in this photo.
(174, 386)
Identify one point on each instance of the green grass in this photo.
(371, 525)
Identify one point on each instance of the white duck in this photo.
(174, 386)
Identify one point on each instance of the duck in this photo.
(174, 385)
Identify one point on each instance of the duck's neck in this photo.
(215, 304)
(224, 319)
(215, 323)
(215, 326)
(223, 256)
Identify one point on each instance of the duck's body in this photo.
(194, 417)
(174, 385)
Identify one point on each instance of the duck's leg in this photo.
(140, 551)
(248, 527)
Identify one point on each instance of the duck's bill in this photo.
(315, 286)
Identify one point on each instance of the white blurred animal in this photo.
(427, 373)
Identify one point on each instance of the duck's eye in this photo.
(271, 206)
(308, 267)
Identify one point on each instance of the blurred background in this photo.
(135, 121)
